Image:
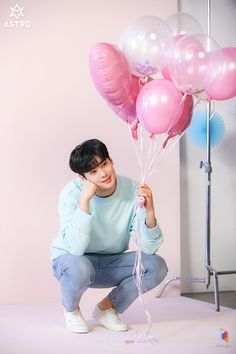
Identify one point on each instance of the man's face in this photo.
(104, 176)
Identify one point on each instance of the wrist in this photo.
(84, 198)
(150, 219)
(150, 212)
(84, 205)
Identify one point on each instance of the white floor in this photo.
(181, 325)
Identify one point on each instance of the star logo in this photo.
(17, 11)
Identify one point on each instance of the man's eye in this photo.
(104, 163)
(93, 172)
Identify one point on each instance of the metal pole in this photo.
(208, 170)
(179, 6)
(209, 269)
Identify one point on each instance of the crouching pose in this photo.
(97, 218)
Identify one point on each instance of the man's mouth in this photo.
(108, 180)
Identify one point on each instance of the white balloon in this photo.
(146, 45)
(182, 23)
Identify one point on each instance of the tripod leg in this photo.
(166, 284)
(216, 288)
(188, 279)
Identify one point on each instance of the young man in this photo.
(97, 215)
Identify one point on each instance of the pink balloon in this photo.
(184, 119)
(225, 85)
(158, 104)
(185, 63)
(165, 70)
(111, 75)
(194, 63)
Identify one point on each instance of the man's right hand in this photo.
(89, 189)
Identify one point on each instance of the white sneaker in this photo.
(75, 322)
(109, 319)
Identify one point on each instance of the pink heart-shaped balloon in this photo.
(111, 75)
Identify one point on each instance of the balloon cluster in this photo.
(192, 65)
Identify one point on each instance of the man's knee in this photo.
(77, 269)
(156, 267)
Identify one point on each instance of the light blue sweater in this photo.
(108, 226)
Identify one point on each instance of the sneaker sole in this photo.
(75, 329)
(106, 325)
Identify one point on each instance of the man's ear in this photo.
(82, 177)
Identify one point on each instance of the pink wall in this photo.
(48, 105)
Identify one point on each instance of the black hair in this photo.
(84, 156)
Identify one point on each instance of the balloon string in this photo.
(138, 148)
(155, 155)
(138, 272)
(146, 172)
(135, 149)
(164, 152)
(141, 155)
(151, 152)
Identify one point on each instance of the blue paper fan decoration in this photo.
(197, 131)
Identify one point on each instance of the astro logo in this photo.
(224, 335)
(17, 13)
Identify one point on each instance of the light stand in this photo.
(209, 270)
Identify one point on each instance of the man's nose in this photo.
(102, 172)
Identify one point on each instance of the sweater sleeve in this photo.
(76, 225)
(151, 239)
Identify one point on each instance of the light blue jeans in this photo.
(78, 273)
